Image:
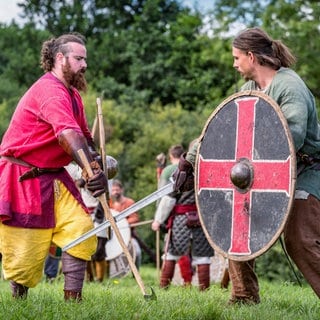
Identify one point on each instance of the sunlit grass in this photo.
(123, 299)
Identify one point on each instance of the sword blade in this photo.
(168, 188)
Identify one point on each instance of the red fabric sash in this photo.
(179, 209)
(183, 208)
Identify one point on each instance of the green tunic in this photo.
(166, 174)
(298, 106)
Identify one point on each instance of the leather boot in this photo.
(72, 296)
(204, 276)
(167, 273)
(245, 286)
(74, 271)
(100, 270)
(18, 290)
(89, 272)
(224, 284)
(107, 272)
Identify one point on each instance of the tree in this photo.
(297, 24)
(140, 51)
(18, 65)
(59, 17)
(228, 15)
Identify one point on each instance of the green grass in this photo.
(123, 299)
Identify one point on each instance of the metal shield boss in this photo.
(245, 175)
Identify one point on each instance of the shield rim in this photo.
(121, 260)
(293, 169)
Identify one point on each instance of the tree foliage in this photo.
(297, 24)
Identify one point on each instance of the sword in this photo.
(168, 188)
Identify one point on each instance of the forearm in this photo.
(192, 153)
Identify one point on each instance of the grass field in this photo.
(123, 299)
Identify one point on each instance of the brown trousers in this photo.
(302, 239)
(244, 280)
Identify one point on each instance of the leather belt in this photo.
(34, 171)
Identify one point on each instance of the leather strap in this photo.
(34, 171)
(17, 161)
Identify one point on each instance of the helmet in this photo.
(112, 165)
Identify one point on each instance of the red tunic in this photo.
(124, 204)
(44, 111)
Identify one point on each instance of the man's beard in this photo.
(75, 79)
(247, 75)
(116, 196)
(242, 75)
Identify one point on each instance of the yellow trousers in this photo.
(24, 250)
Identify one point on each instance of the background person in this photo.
(52, 263)
(164, 173)
(186, 237)
(119, 202)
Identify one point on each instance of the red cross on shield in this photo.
(245, 175)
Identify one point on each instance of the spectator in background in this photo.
(163, 175)
(186, 241)
(52, 263)
(119, 202)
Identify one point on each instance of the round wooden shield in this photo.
(245, 175)
(119, 267)
(113, 247)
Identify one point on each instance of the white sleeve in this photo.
(164, 208)
(74, 170)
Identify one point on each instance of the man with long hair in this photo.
(39, 202)
(265, 64)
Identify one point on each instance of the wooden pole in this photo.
(115, 228)
(102, 137)
(158, 252)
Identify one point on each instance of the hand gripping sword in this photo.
(168, 188)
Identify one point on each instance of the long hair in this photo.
(269, 52)
(51, 47)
